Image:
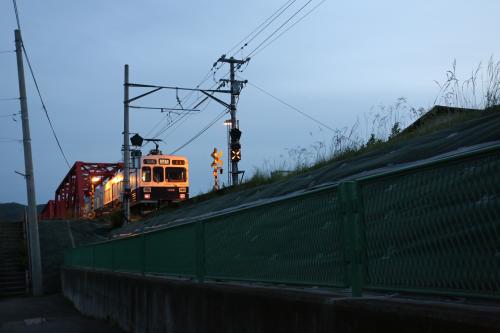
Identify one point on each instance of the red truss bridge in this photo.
(77, 185)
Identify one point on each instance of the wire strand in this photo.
(336, 131)
(262, 26)
(38, 88)
(291, 26)
(222, 114)
(279, 28)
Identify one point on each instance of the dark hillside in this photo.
(472, 129)
(13, 211)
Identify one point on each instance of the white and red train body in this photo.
(157, 179)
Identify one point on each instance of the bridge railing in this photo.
(432, 228)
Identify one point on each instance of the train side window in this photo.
(175, 174)
(146, 174)
(158, 174)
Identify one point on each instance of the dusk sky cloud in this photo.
(341, 60)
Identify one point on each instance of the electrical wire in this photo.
(9, 115)
(8, 51)
(216, 119)
(6, 140)
(291, 26)
(279, 28)
(38, 88)
(249, 38)
(336, 131)
(9, 99)
(262, 26)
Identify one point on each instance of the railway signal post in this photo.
(126, 150)
(235, 88)
(216, 165)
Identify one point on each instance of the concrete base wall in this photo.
(151, 304)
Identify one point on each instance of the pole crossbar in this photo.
(162, 109)
(140, 85)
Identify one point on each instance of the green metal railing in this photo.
(429, 228)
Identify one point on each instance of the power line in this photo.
(9, 99)
(38, 88)
(8, 51)
(263, 25)
(10, 140)
(336, 131)
(291, 26)
(9, 115)
(222, 114)
(279, 28)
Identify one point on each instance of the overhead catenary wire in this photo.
(252, 35)
(25, 52)
(278, 29)
(262, 26)
(216, 119)
(9, 115)
(289, 27)
(319, 122)
(6, 140)
(246, 40)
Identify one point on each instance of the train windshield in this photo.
(158, 174)
(146, 174)
(175, 174)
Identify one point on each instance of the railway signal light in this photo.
(235, 134)
(235, 152)
(235, 155)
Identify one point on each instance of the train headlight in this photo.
(182, 196)
(182, 190)
(147, 195)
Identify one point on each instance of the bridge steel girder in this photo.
(69, 201)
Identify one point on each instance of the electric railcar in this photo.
(154, 179)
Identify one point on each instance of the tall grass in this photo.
(384, 123)
(480, 90)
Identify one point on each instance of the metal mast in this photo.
(235, 133)
(126, 150)
(33, 239)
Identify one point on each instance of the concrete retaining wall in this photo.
(152, 304)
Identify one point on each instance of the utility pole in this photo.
(33, 239)
(235, 133)
(126, 150)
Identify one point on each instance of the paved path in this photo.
(47, 314)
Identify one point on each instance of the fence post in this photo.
(93, 257)
(143, 253)
(200, 251)
(351, 212)
(112, 256)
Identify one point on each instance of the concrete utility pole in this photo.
(235, 133)
(33, 239)
(126, 150)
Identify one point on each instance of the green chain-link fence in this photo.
(432, 228)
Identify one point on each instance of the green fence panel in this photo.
(297, 241)
(435, 229)
(103, 256)
(171, 251)
(128, 254)
(68, 258)
(83, 257)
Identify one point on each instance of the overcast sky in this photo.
(336, 64)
